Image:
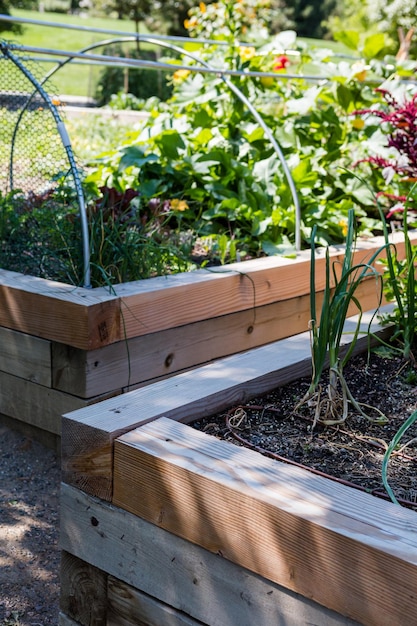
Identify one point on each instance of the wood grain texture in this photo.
(184, 576)
(25, 356)
(79, 317)
(34, 404)
(83, 591)
(159, 355)
(128, 606)
(158, 305)
(64, 620)
(351, 552)
(92, 318)
(88, 434)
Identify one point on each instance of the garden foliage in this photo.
(206, 156)
(206, 182)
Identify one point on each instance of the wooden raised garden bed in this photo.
(162, 524)
(64, 348)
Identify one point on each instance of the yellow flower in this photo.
(203, 7)
(267, 81)
(180, 75)
(246, 53)
(358, 123)
(178, 205)
(359, 71)
(344, 226)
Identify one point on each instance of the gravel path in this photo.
(29, 552)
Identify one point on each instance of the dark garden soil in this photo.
(350, 452)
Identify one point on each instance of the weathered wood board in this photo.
(35, 404)
(88, 435)
(312, 535)
(149, 357)
(85, 597)
(128, 606)
(25, 356)
(64, 620)
(208, 588)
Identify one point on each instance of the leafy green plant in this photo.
(331, 406)
(206, 149)
(40, 235)
(396, 198)
(400, 286)
(129, 243)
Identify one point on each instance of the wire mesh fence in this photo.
(33, 157)
(37, 161)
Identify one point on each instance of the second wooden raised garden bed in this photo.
(172, 526)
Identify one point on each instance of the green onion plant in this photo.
(331, 406)
(392, 447)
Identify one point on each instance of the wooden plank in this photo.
(158, 355)
(64, 620)
(318, 538)
(128, 606)
(182, 575)
(25, 356)
(83, 591)
(88, 435)
(34, 404)
(80, 317)
(28, 431)
(89, 319)
(228, 289)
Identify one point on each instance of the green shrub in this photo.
(141, 83)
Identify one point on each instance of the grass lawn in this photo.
(73, 79)
(49, 37)
(76, 79)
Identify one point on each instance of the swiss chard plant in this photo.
(394, 172)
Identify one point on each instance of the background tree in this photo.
(309, 17)
(172, 14)
(135, 10)
(349, 15)
(392, 16)
(5, 7)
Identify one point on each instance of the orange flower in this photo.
(180, 75)
(203, 7)
(190, 23)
